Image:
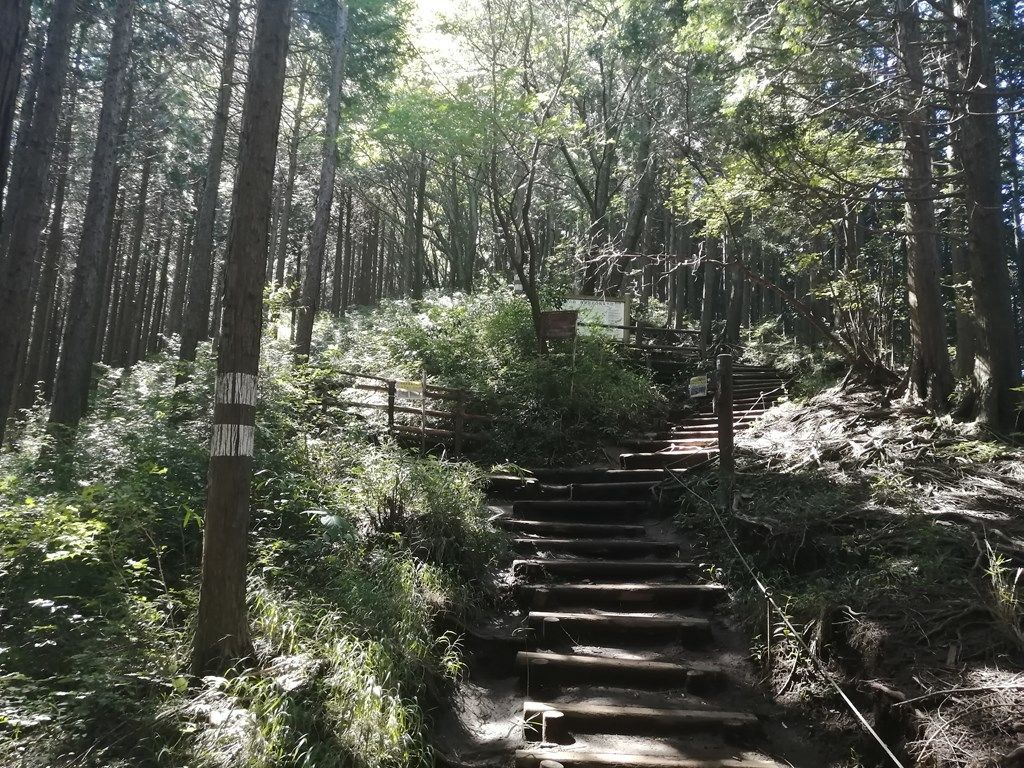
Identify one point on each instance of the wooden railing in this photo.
(682, 340)
(417, 409)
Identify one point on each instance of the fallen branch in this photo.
(974, 689)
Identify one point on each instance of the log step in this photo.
(673, 459)
(543, 667)
(580, 510)
(713, 419)
(611, 547)
(674, 437)
(577, 475)
(690, 628)
(583, 530)
(588, 717)
(702, 432)
(605, 568)
(655, 445)
(612, 491)
(572, 758)
(634, 593)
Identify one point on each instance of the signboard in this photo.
(699, 386)
(596, 312)
(559, 324)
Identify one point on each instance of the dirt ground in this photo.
(894, 540)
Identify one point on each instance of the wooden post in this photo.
(391, 406)
(726, 460)
(423, 411)
(460, 419)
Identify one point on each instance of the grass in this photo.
(359, 550)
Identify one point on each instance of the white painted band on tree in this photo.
(231, 440)
(237, 389)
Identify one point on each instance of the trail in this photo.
(624, 656)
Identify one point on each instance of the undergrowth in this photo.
(359, 552)
(889, 539)
(554, 408)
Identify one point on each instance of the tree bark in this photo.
(734, 312)
(289, 189)
(996, 370)
(196, 320)
(337, 275)
(74, 371)
(707, 306)
(222, 630)
(14, 18)
(131, 289)
(310, 300)
(181, 259)
(27, 205)
(930, 376)
(44, 316)
(160, 307)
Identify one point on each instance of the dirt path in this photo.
(623, 656)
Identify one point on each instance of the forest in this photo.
(227, 226)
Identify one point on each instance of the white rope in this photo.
(799, 638)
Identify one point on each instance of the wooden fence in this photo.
(654, 338)
(436, 415)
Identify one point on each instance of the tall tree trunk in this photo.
(28, 203)
(107, 328)
(14, 18)
(734, 311)
(42, 326)
(160, 308)
(634, 231)
(222, 630)
(196, 321)
(996, 370)
(931, 378)
(181, 259)
(289, 188)
(419, 247)
(74, 371)
(347, 281)
(131, 289)
(707, 306)
(344, 216)
(310, 299)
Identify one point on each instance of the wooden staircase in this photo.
(693, 437)
(623, 665)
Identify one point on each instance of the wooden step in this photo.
(739, 409)
(713, 419)
(578, 475)
(612, 491)
(673, 436)
(589, 510)
(604, 568)
(592, 717)
(612, 547)
(673, 459)
(563, 529)
(757, 390)
(636, 593)
(652, 446)
(582, 758)
(703, 431)
(543, 668)
(575, 623)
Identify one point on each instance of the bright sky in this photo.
(440, 51)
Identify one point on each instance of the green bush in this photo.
(551, 408)
(358, 551)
